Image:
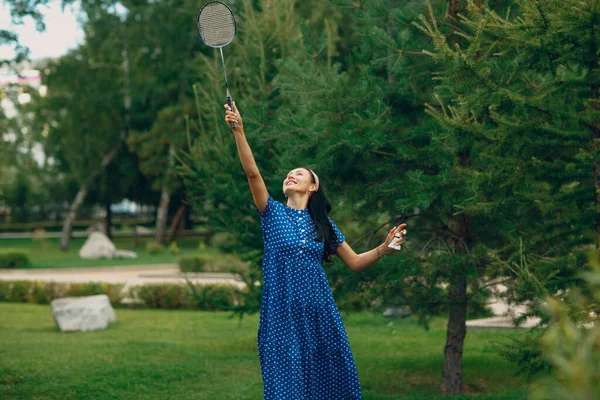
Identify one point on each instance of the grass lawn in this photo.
(155, 354)
(52, 257)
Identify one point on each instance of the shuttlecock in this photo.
(394, 244)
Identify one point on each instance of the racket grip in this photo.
(229, 102)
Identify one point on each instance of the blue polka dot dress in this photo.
(303, 348)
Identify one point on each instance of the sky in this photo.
(62, 31)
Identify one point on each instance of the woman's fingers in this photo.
(232, 115)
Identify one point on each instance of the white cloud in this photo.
(62, 31)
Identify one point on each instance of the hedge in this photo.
(210, 263)
(213, 297)
(11, 259)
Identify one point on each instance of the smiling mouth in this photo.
(290, 183)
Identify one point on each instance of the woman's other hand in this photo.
(396, 230)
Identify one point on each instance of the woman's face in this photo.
(298, 180)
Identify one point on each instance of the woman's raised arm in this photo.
(257, 184)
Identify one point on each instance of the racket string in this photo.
(216, 24)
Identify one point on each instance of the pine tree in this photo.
(213, 176)
(362, 122)
(523, 88)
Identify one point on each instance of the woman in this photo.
(303, 347)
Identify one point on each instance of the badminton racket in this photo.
(216, 27)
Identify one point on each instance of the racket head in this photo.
(216, 24)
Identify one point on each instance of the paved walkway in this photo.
(159, 273)
(130, 275)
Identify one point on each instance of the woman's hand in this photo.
(235, 117)
(390, 236)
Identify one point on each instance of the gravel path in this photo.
(130, 275)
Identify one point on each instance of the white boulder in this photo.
(97, 245)
(89, 313)
(125, 254)
(142, 230)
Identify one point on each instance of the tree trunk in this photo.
(165, 198)
(178, 220)
(161, 216)
(106, 160)
(455, 336)
(65, 236)
(457, 296)
(454, 7)
(108, 220)
(457, 318)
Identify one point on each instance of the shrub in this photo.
(14, 259)
(164, 295)
(18, 291)
(217, 297)
(112, 290)
(193, 296)
(196, 263)
(211, 263)
(44, 292)
(221, 239)
(160, 295)
(4, 289)
(56, 290)
(38, 293)
(154, 248)
(173, 248)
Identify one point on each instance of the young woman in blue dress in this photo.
(303, 347)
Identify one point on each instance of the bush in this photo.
(165, 295)
(157, 295)
(211, 263)
(193, 296)
(174, 248)
(18, 291)
(217, 297)
(44, 292)
(221, 239)
(154, 248)
(4, 289)
(56, 290)
(14, 259)
(112, 290)
(38, 293)
(195, 263)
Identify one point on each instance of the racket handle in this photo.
(229, 102)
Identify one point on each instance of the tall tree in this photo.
(166, 43)
(523, 88)
(86, 106)
(361, 120)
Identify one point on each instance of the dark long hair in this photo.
(318, 208)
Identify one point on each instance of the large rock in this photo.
(142, 230)
(89, 313)
(97, 245)
(125, 254)
(96, 227)
(397, 312)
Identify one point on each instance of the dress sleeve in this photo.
(268, 211)
(340, 236)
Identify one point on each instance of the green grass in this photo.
(52, 257)
(152, 354)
